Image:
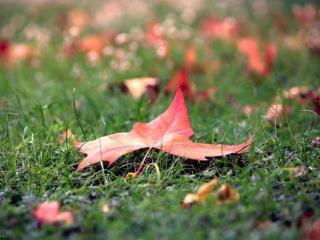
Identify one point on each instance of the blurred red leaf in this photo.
(49, 212)
(216, 28)
(259, 62)
(277, 111)
(316, 142)
(312, 231)
(225, 194)
(76, 21)
(14, 52)
(154, 37)
(4, 49)
(248, 109)
(306, 15)
(190, 58)
(91, 43)
(304, 95)
(169, 132)
(181, 80)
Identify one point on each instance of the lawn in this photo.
(60, 80)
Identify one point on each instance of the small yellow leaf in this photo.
(204, 191)
(201, 195)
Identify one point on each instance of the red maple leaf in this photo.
(169, 132)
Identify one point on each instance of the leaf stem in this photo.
(142, 163)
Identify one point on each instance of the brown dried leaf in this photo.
(201, 195)
(226, 194)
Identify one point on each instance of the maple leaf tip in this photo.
(179, 91)
(79, 168)
(248, 144)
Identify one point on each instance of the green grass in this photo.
(35, 168)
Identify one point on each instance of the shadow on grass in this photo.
(130, 163)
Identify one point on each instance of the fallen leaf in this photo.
(76, 20)
(314, 97)
(277, 111)
(189, 199)
(169, 132)
(296, 92)
(181, 80)
(312, 39)
(259, 62)
(138, 86)
(312, 231)
(305, 217)
(4, 49)
(49, 212)
(14, 52)
(302, 95)
(306, 15)
(91, 43)
(226, 194)
(201, 195)
(316, 142)
(206, 189)
(20, 52)
(248, 110)
(191, 58)
(216, 28)
(155, 38)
